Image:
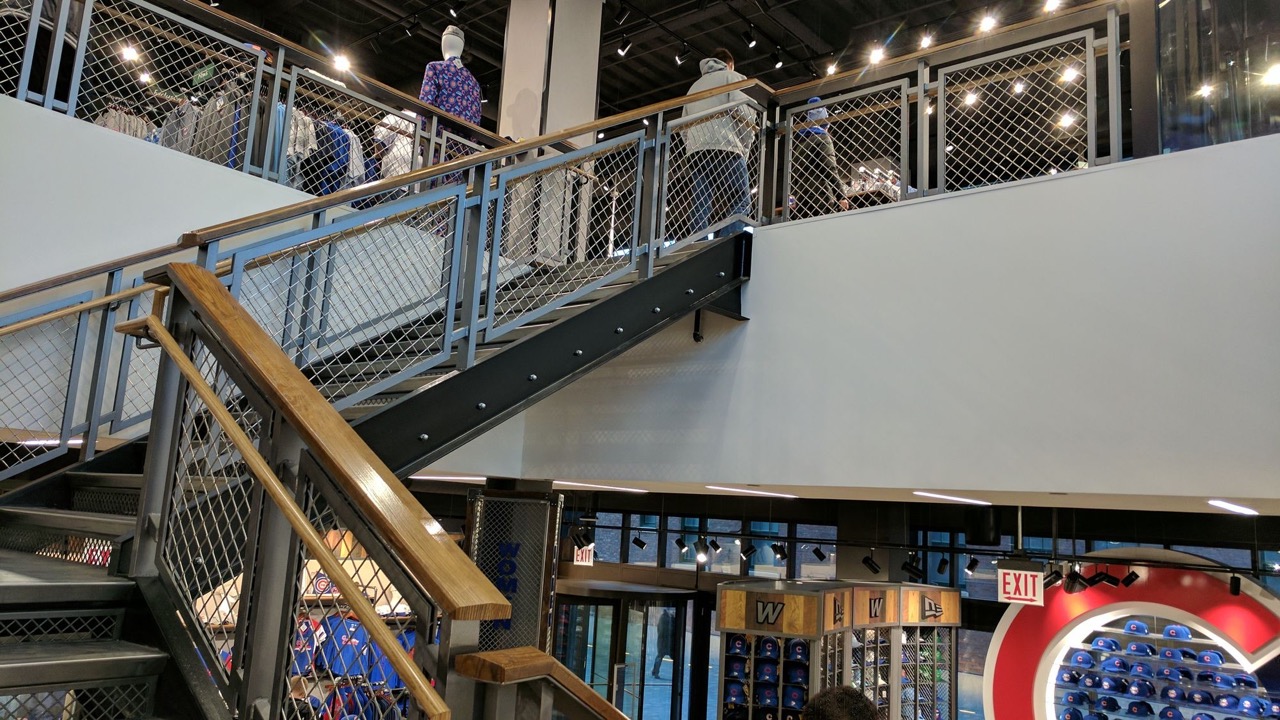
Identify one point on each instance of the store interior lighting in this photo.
(779, 551)
(639, 542)
(1053, 577)
(1052, 5)
(970, 98)
(869, 561)
(700, 550)
(582, 537)
(831, 69)
(972, 566)
(932, 495)
(749, 38)
(714, 545)
(987, 24)
(1074, 583)
(749, 551)
(1019, 87)
(1070, 74)
(926, 41)
(1272, 75)
(1206, 91)
(911, 567)
(1232, 507)
(777, 60)
(625, 47)
(1130, 579)
(624, 12)
(457, 7)
(943, 563)
(341, 63)
(685, 54)
(680, 543)
(877, 55)
(818, 553)
(1235, 584)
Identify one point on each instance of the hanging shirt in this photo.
(448, 85)
(381, 670)
(355, 160)
(395, 132)
(344, 650)
(179, 128)
(306, 636)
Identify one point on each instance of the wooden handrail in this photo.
(522, 664)
(88, 272)
(307, 207)
(423, 694)
(430, 558)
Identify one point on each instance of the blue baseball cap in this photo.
(1200, 697)
(1106, 644)
(1068, 676)
(1115, 665)
(1136, 627)
(768, 648)
(1169, 653)
(1227, 701)
(1169, 673)
(1252, 707)
(1091, 681)
(1179, 632)
(1071, 714)
(1246, 680)
(1210, 657)
(1188, 654)
(1224, 681)
(767, 672)
(737, 645)
(1171, 713)
(1141, 688)
(1140, 709)
(796, 674)
(1275, 709)
(1173, 693)
(766, 696)
(798, 649)
(1142, 649)
(1075, 697)
(793, 697)
(734, 694)
(1142, 669)
(1117, 685)
(1082, 658)
(1108, 703)
(1202, 716)
(1204, 676)
(735, 667)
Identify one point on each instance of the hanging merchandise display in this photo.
(782, 641)
(1174, 643)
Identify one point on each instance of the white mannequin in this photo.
(452, 42)
(448, 85)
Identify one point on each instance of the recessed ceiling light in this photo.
(611, 488)
(341, 63)
(1232, 507)
(752, 492)
(877, 54)
(988, 23)
(1272, 75)
(454, 478)
(952, 498)
(926, 41)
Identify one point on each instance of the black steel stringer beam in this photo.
(434, 421)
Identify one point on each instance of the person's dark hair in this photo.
(723, 55)
(839, 703)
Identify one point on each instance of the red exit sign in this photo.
(1025, 587)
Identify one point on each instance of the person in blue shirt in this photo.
(816, 182)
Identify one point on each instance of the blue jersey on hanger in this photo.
(344, 649)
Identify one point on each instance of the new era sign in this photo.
(1020, 582)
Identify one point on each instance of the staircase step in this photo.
(87, 524)
(64, 663)
(114, 481)
(26, 578)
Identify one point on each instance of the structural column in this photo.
(550, 66)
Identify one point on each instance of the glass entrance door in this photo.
(665, 665)
(584, 641)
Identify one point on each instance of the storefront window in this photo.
(1231, 557)
(1269, 567)
(977, 580)
(609, 537)
(686, 530)
(816, 552)
(728, 559)
(765, 562)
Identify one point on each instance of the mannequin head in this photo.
(451, 43)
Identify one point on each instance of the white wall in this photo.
(73, 194)
(1109, 331)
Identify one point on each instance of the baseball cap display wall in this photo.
(1146, 666)
(785, 640)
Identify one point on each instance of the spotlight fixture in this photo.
(457, 7)
(701, 550)
(911, 567)
(749, 38)
(1235, 584)
(943, 564)
(1096, 579)
(817, 552)
(686, 52)
(341, 63)
(749, 551)
(1074, 583)
(779, 551)
(877, 54)
(624, 12)
(777, 60)
(831, 69)
(1052, 5)
(129, 53)
(639, 542)
(1052, 578)
(870, 563)
(1130, 579)
(1205, 91)
(926, 41)
(988, 24)
(145, 78)
(714, 545)
(625, 47)
(1272, 75)
(680, 543)
(970, 568)
(1109, 579)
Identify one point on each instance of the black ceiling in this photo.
(392, 40)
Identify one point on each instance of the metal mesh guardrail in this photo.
(55, 626)
(135, 386)
(15, 20)
(574, 221)
(1017, 115)
(83, 701)
(847, 152)
(712, 165)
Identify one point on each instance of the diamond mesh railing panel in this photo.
(203, 545)
(14, 19)
(575, 221)
(364, 306)
(847, 153)
(35, 377)
(1016, 117)
(98, 701)
(107, 501)
(510, 542)
(74, 627)
(152, 77)
(56, 544)
(139, 385)
(334, 665)
(713, 166)
(337, 139)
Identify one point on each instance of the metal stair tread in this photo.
(58, 663)
(112, 480)
(98, 525)
(27, 578)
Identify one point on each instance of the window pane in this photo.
(764, 563)
(648, 522)
(648, 555)
(608, 544)
(609, 520)
(684, 529)
(816, 561)
(1232, 557)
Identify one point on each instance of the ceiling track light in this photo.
(1130, 579)
(912, 568)
(749, 38)
(777, 59)
(639, 542)
(680, 543)
(1052, 578)
(625, 47)
(714, 545)
(457, 7)
(869, 561)
(749, 551)
(1235, 584)
(624, 12)
(944, 563)
(972, 566)
(817, 552)
(700, 550)
(779, 551)
(1074, 583)
(1095, 579)
(685, 54)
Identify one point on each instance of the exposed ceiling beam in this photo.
(792, 24)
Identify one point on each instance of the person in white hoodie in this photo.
(717, 146)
